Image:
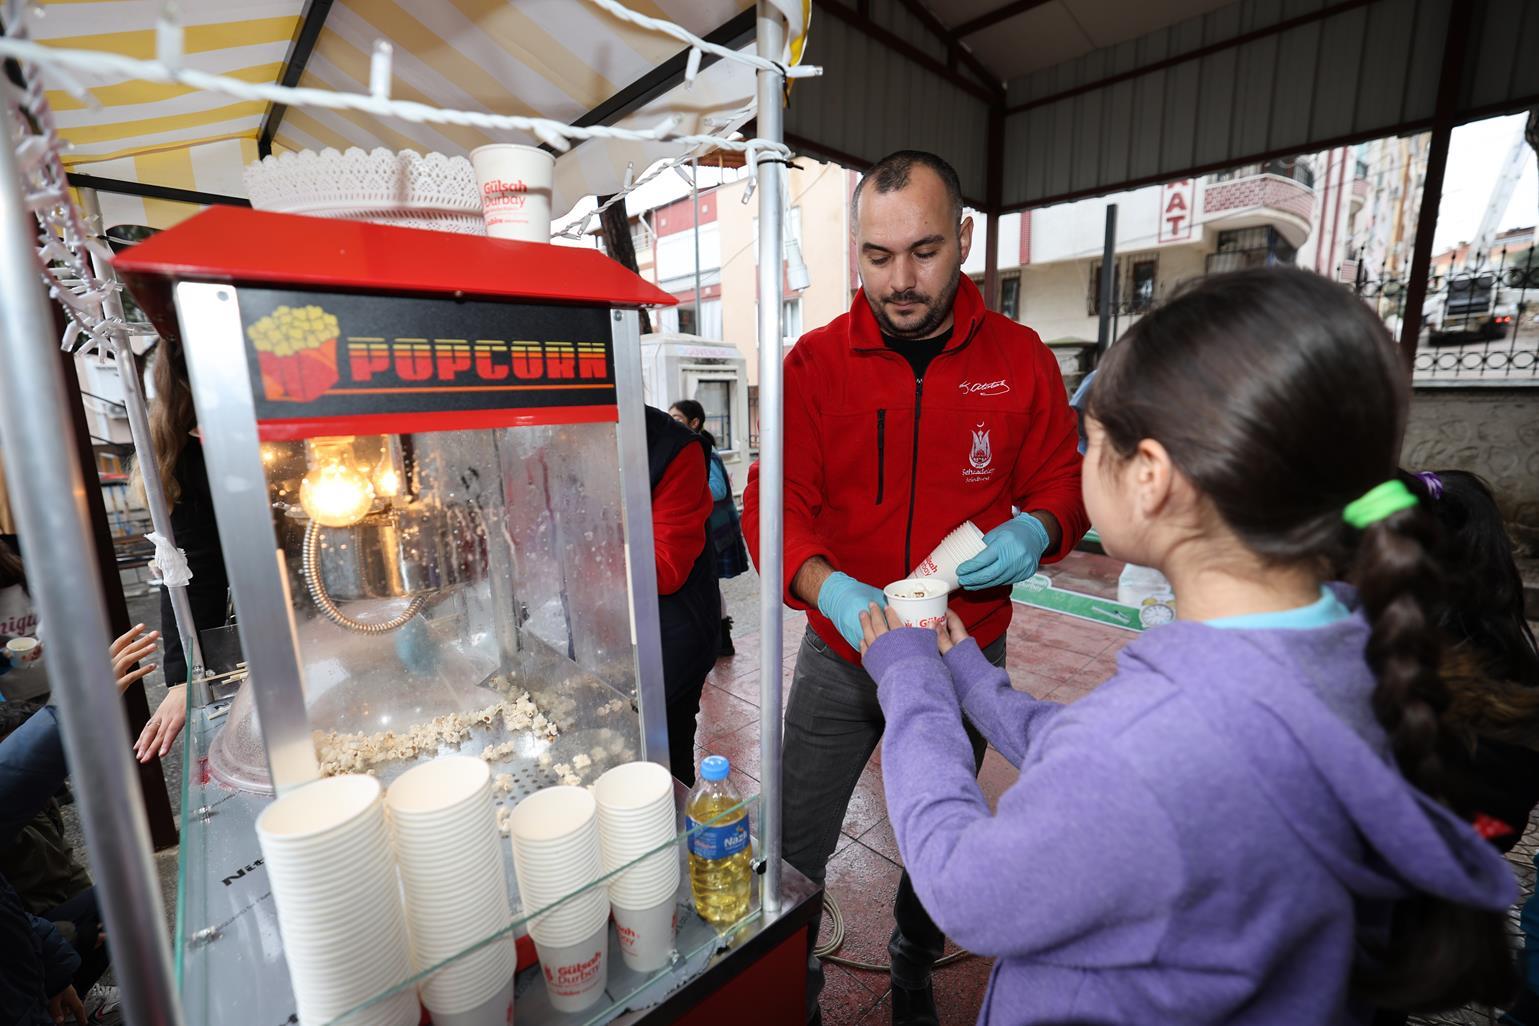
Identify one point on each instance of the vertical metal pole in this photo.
(1108, 280)
(1450, 81)
(694, 190)
(144, 453)
(51, 512)
(994, 177)
(771, 44)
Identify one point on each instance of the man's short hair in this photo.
(891, 173)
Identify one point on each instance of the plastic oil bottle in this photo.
(720, 856)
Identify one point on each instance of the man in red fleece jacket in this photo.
(910, 414)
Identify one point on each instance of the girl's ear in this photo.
(1153, 478)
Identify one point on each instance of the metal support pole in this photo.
(51, 513)
(771, 115)
(994, 187)
(1450, 79)
(694, 190)
(1108, 280)
(144, 452)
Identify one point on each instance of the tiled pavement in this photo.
(1049, 655)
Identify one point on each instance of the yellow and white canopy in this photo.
(557, 59)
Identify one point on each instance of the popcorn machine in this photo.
(428, 465)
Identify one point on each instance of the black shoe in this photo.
(726, 648)
(914, 1007)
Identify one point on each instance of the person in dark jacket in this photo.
(36, 964)
(689, 605)
(43, 973)
(725, 528)
(1491, 664)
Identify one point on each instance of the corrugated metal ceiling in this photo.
(1140, 91)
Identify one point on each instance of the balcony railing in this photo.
(1264, 190)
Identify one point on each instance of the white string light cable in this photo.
(578, 228)
(698, 46)
(166, 69)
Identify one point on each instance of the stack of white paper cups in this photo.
(556, 854)
(447, 845)
(327, 851)
(955, 549)
(636, 819)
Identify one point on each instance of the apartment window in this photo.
(1093, 296)
(1242, 248)
(1010, 296)
(1143, 283)
(791, 319)
(753, 419)
(716, 397)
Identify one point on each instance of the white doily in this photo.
(405, 189)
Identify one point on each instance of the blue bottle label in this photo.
(718, 842)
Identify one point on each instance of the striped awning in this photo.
(559, 59)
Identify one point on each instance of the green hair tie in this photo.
(1387, 499)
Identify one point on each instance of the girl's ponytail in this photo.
(1439, 954)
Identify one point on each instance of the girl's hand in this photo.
(875, 622)
(130, 649)
(951, 633)
(155, 742)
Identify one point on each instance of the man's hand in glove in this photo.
(1011, 556)
(842, 599)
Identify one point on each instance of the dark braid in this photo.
(1398, 582)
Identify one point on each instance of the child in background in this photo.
(1242, 825)
(1492, 666)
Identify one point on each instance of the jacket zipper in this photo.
(913, 478)
(881, 455)
(913, 474)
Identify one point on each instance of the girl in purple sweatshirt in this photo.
(1242, 826)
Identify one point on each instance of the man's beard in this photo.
(935, 311)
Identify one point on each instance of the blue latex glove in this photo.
(1014, 549)
(842, 599)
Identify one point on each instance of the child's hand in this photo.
(875, 622)
(951, 633)
(130, 649)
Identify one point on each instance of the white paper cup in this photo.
(955, 549)
(494, 1011)
(400, 1009)
(515, 184)
(304, 815)
(633, 786)
(646, 935)
(919, 602)
(23, 650)
(576, 973)
(551, 816)
(470, 980)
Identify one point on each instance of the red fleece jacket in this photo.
(879, 467)
(681, 505)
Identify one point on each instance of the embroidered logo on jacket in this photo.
(981, 458)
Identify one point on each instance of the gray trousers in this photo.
(833, 724)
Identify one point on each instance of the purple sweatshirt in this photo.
(1193, 843)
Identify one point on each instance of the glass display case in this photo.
(428, 461)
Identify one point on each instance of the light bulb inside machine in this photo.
(336, 494)
(387, 480)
